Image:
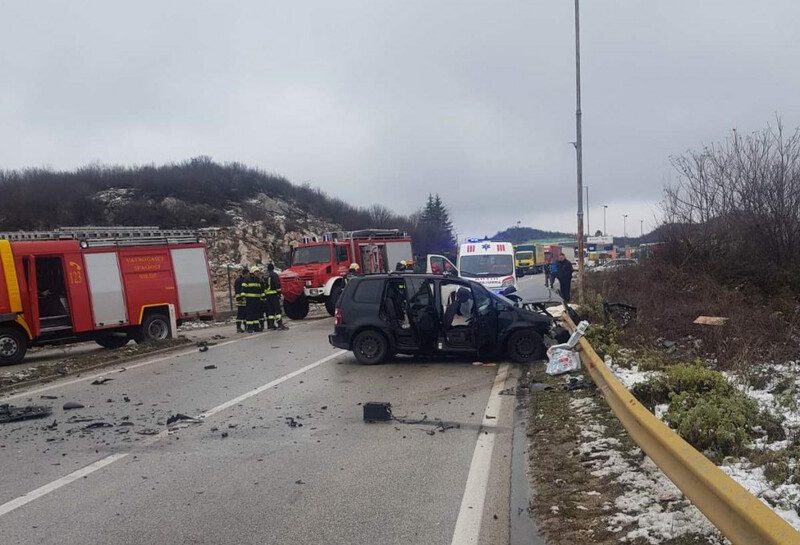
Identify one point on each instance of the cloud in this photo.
(386, 101)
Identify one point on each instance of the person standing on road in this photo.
(241, 300)
(351, 272)
(547, 274)
(565, 276)
(252, 291)
(272, 291)
(554, 272)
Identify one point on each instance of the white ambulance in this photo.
(487, 262)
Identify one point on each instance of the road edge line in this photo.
(470, 514)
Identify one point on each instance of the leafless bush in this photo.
(735, 209)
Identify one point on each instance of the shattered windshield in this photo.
(311, 254)
(473, 266)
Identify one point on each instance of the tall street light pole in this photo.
(625, 226)
(579, 148)
(605, 207)
(588, 228)
(641, 228)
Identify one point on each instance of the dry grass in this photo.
(759, 329)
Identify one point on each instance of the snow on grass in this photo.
(779, 395)
(650, 507)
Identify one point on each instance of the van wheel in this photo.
(333, 298)
(155, 327)
(525, 346)
(113, 340)
(13, 345)
(298, 309)
(370, 347)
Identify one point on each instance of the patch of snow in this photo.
(629, 377)
(661, 410)
(650, 507)
(783, 499)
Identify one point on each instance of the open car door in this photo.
(439, 264)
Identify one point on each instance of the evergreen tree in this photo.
(434, 232)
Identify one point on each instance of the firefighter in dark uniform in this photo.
(351, 272)
(253, 292)
(262, 313)
(272, 291)
(241, 300)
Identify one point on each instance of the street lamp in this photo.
(588, 228)
(625, 226)
(579, 147)
(641, 228)
(605, 207)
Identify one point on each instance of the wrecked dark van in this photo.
(378, 316)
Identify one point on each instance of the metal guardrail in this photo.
(740, 516)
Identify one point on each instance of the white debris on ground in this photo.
(650, 506)
(779, 396)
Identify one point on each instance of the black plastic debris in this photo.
(203, 348)
(211, 366)
(72, 405)
(126, 399)
(377, 411)
(292, 423)
(48, 397)
(177, 418)
(10, 413)
(224, 434)
(147, 431)
(578, 383)
(101, 380)
(95, 425)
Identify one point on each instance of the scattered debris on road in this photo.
(292, 423)
(101, 380)
(95, 425)
(48, 397)
(69, 405)
(10, 413)
(180, 417)
(209, 367)
(710, 320)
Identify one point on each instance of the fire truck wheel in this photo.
(113, 340)
(333, 298)
(155, 327)
(370, 347)
(13, 345)
(296, 310)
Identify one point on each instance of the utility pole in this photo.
(579, 149)
(588, 228)
(641, 228)
(605, 207)
(625, 226)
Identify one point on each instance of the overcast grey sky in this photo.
(385, 101)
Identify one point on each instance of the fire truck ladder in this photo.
(93, 236)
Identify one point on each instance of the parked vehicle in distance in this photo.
(614, 265)
(317, 267)
(382, 315)
(524, 260)
(108, 285)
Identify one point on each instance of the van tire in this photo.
(298, 309)
(370, 347)
(333, 299)
(154, 327)
(113, 340)
(13, 345)
(525, 346)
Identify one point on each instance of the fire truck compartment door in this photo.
(105, 287)
(396, 252)
(191, 275)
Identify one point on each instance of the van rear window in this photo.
(368, 291)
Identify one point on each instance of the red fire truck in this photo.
(109, 285)
(317, 267)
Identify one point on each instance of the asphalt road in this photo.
(242, 474)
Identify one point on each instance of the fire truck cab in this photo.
(317, 267)
(109, 285)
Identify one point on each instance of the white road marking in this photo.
(267, 386)
(107, 372)
(468, 524)
(58, 483)
(99, 464)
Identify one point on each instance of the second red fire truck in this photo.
(318, 266)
